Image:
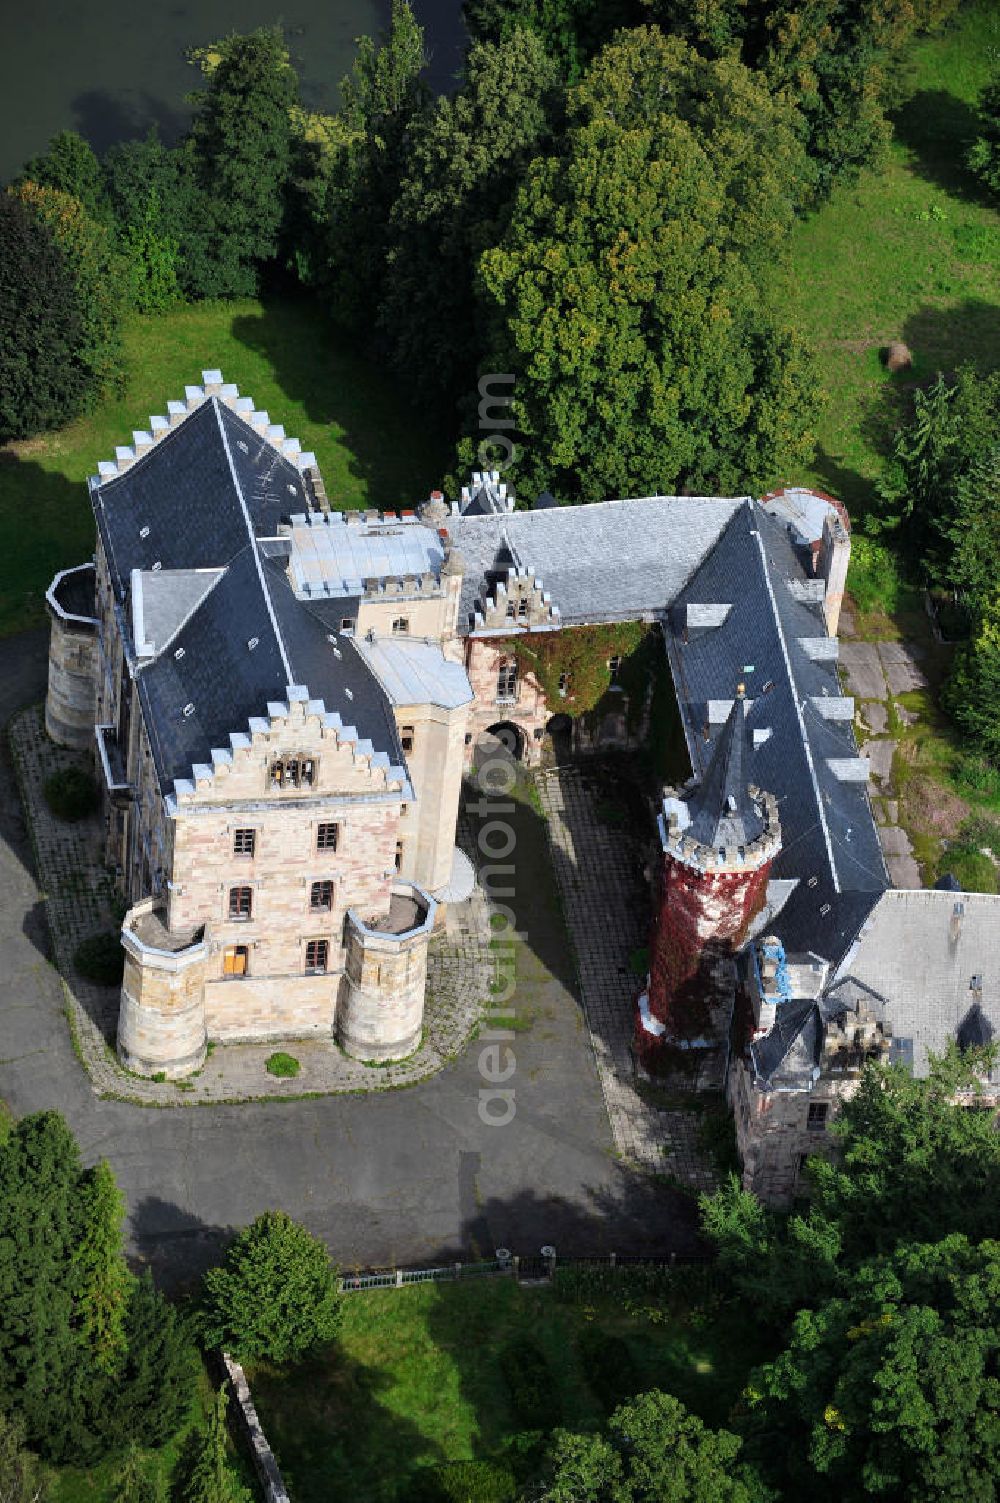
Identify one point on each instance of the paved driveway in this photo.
(411, 1176)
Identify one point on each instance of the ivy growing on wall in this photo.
(580, 658)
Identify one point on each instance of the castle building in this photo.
(282, 700)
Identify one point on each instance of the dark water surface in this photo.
(112, 68)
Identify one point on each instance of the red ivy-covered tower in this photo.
(719, 840)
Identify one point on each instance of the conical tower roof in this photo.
(722, 812)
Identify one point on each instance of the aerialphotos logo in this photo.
(496, 840)
(491, 422)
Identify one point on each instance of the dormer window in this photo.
(401, 626)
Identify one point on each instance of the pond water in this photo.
(112, 68)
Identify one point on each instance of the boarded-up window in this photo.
(235, 960)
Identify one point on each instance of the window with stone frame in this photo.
(293, 772)
(401, 626)
(406, 737)
(522, 608)
(244, 842)
(817, 1115)
(236, 960)
(563, 684)
(507, 677)
(321, 896)
(317, 956)
(241, 903)
(615, 667)
(327, 837)
(399, 855)
(511, 609)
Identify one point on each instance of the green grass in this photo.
(416, 1379)
(372, 449)
(908, 252)
(282, 1064)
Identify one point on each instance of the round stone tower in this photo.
(719, 840)
(71, 699)
(161, 1020)
(380, 1015)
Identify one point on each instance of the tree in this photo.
(463, 161)
(101, 1281)
(972, 694)
(644, 354)
(44, 1361)
(210, 1480)
(654, 1452)
(70, 165)
(889, 1389)
(276, 1296)
(22, 1477)
(570, 31)
(240, 145)
(136, 1482)
(89, 251)
(828, 58)
(148, 1397)
(382, 96)
(983, 156)
(42, 384)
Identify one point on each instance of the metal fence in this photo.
(510, 1265)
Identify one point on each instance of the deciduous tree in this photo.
(70, 165)
(983, 156)
(276, 1295)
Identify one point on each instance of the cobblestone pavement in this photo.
(79, 896)
(606, 909)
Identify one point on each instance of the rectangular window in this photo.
(816, 1121)
(347, 623)
(308, 773)
(399, 855)
(406, 737)
(327, 837)
(522, 608)
(614, 667)
(277, 773)
(317, 956)
(507, 678)
(235, 960)
(401, 626)
(244, 842)
(511, 609)
(240, 902)
(321, 896)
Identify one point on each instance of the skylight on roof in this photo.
(188, 709)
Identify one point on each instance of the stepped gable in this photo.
(764, 634)
(191, 499)
(607, 561)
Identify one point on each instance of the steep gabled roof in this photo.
(201, 499)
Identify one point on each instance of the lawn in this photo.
(908, 252)
(284, 353)
(417, 1378)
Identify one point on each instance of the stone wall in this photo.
(253, 1436)
(252, 1008)
(773, 1135)
(528, 712)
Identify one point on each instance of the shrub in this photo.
(71, 793)
(101, 958)
(609, 1368)
(463, 1482)
(534, 1399)
(283, 1064)
(979, 778)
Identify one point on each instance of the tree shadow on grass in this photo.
(47, 525)
(937, 127)
(398, 457)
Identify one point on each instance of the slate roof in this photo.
(200, 499)
(163, 601)
(721, 812)
(829, 842)
(785, 1058)
(923, 959)
(609, 561)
